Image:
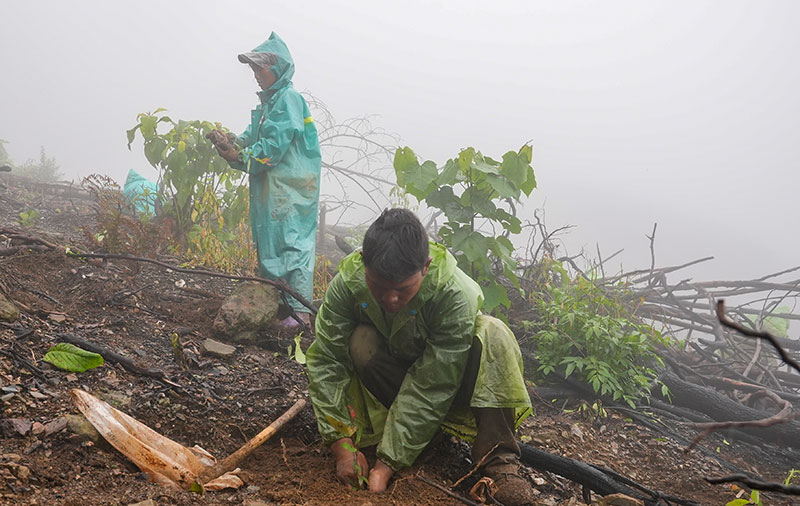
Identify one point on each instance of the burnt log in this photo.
(601, 481)
(722, 408)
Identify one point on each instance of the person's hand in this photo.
(379, 477)
(217, 137)
(227, 152)
(351, 464)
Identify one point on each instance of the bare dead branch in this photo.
(755, 333)
(280, 285)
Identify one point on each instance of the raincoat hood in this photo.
(282, 69)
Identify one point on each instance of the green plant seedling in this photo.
(28, 218)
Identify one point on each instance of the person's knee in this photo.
(364, 345)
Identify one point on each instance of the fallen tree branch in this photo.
(446, 490)
(755, 484)
(761, 334)
(280, 285)
(111, 356)
(4, 252)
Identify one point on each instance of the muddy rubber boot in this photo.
(512, 489)
(496, 445)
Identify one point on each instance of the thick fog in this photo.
(683, 113)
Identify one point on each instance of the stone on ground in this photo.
(247, 312)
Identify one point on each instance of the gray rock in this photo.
(54, 426)
(12, 427)
(217, 349)
(8, 311)
(248, 311)
(116, 399)
(79, 425)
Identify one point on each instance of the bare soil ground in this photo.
(134, 309)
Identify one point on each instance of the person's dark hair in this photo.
(395, 245)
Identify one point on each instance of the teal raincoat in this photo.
(435, 331)
(280, 151)
(141, 192)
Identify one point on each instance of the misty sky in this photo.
(680, 112)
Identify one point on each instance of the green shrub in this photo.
(582, 332)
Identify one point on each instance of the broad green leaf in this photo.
(480, 164)
(530, 182)
(514, 168)
(421, 181)
(505, 243)
(404, 161)
(474, 245)
(738, 502)
(450, 173)
(444, 199)
(299, 356)
(176, 160)
(71, 358)
(503, 187)
(483, 206)
(131, 135)
(153, 151)
(465, 158)
(148, 126)
(495, 295)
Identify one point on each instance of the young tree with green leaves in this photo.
(477, 196)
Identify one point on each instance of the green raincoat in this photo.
(280, 151)
(435, 330)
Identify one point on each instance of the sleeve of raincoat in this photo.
(283, 121)
(328, 362)
(432, 381)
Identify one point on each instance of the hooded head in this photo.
(274, 55)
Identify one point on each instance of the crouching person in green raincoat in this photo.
(280, 151)
(402, 349)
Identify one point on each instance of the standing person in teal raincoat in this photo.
(401, 350)
(280, 151)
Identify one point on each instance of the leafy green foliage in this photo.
(582, 332)
(205, 197)
(71, 358)
(475, 193)
(29, 217)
